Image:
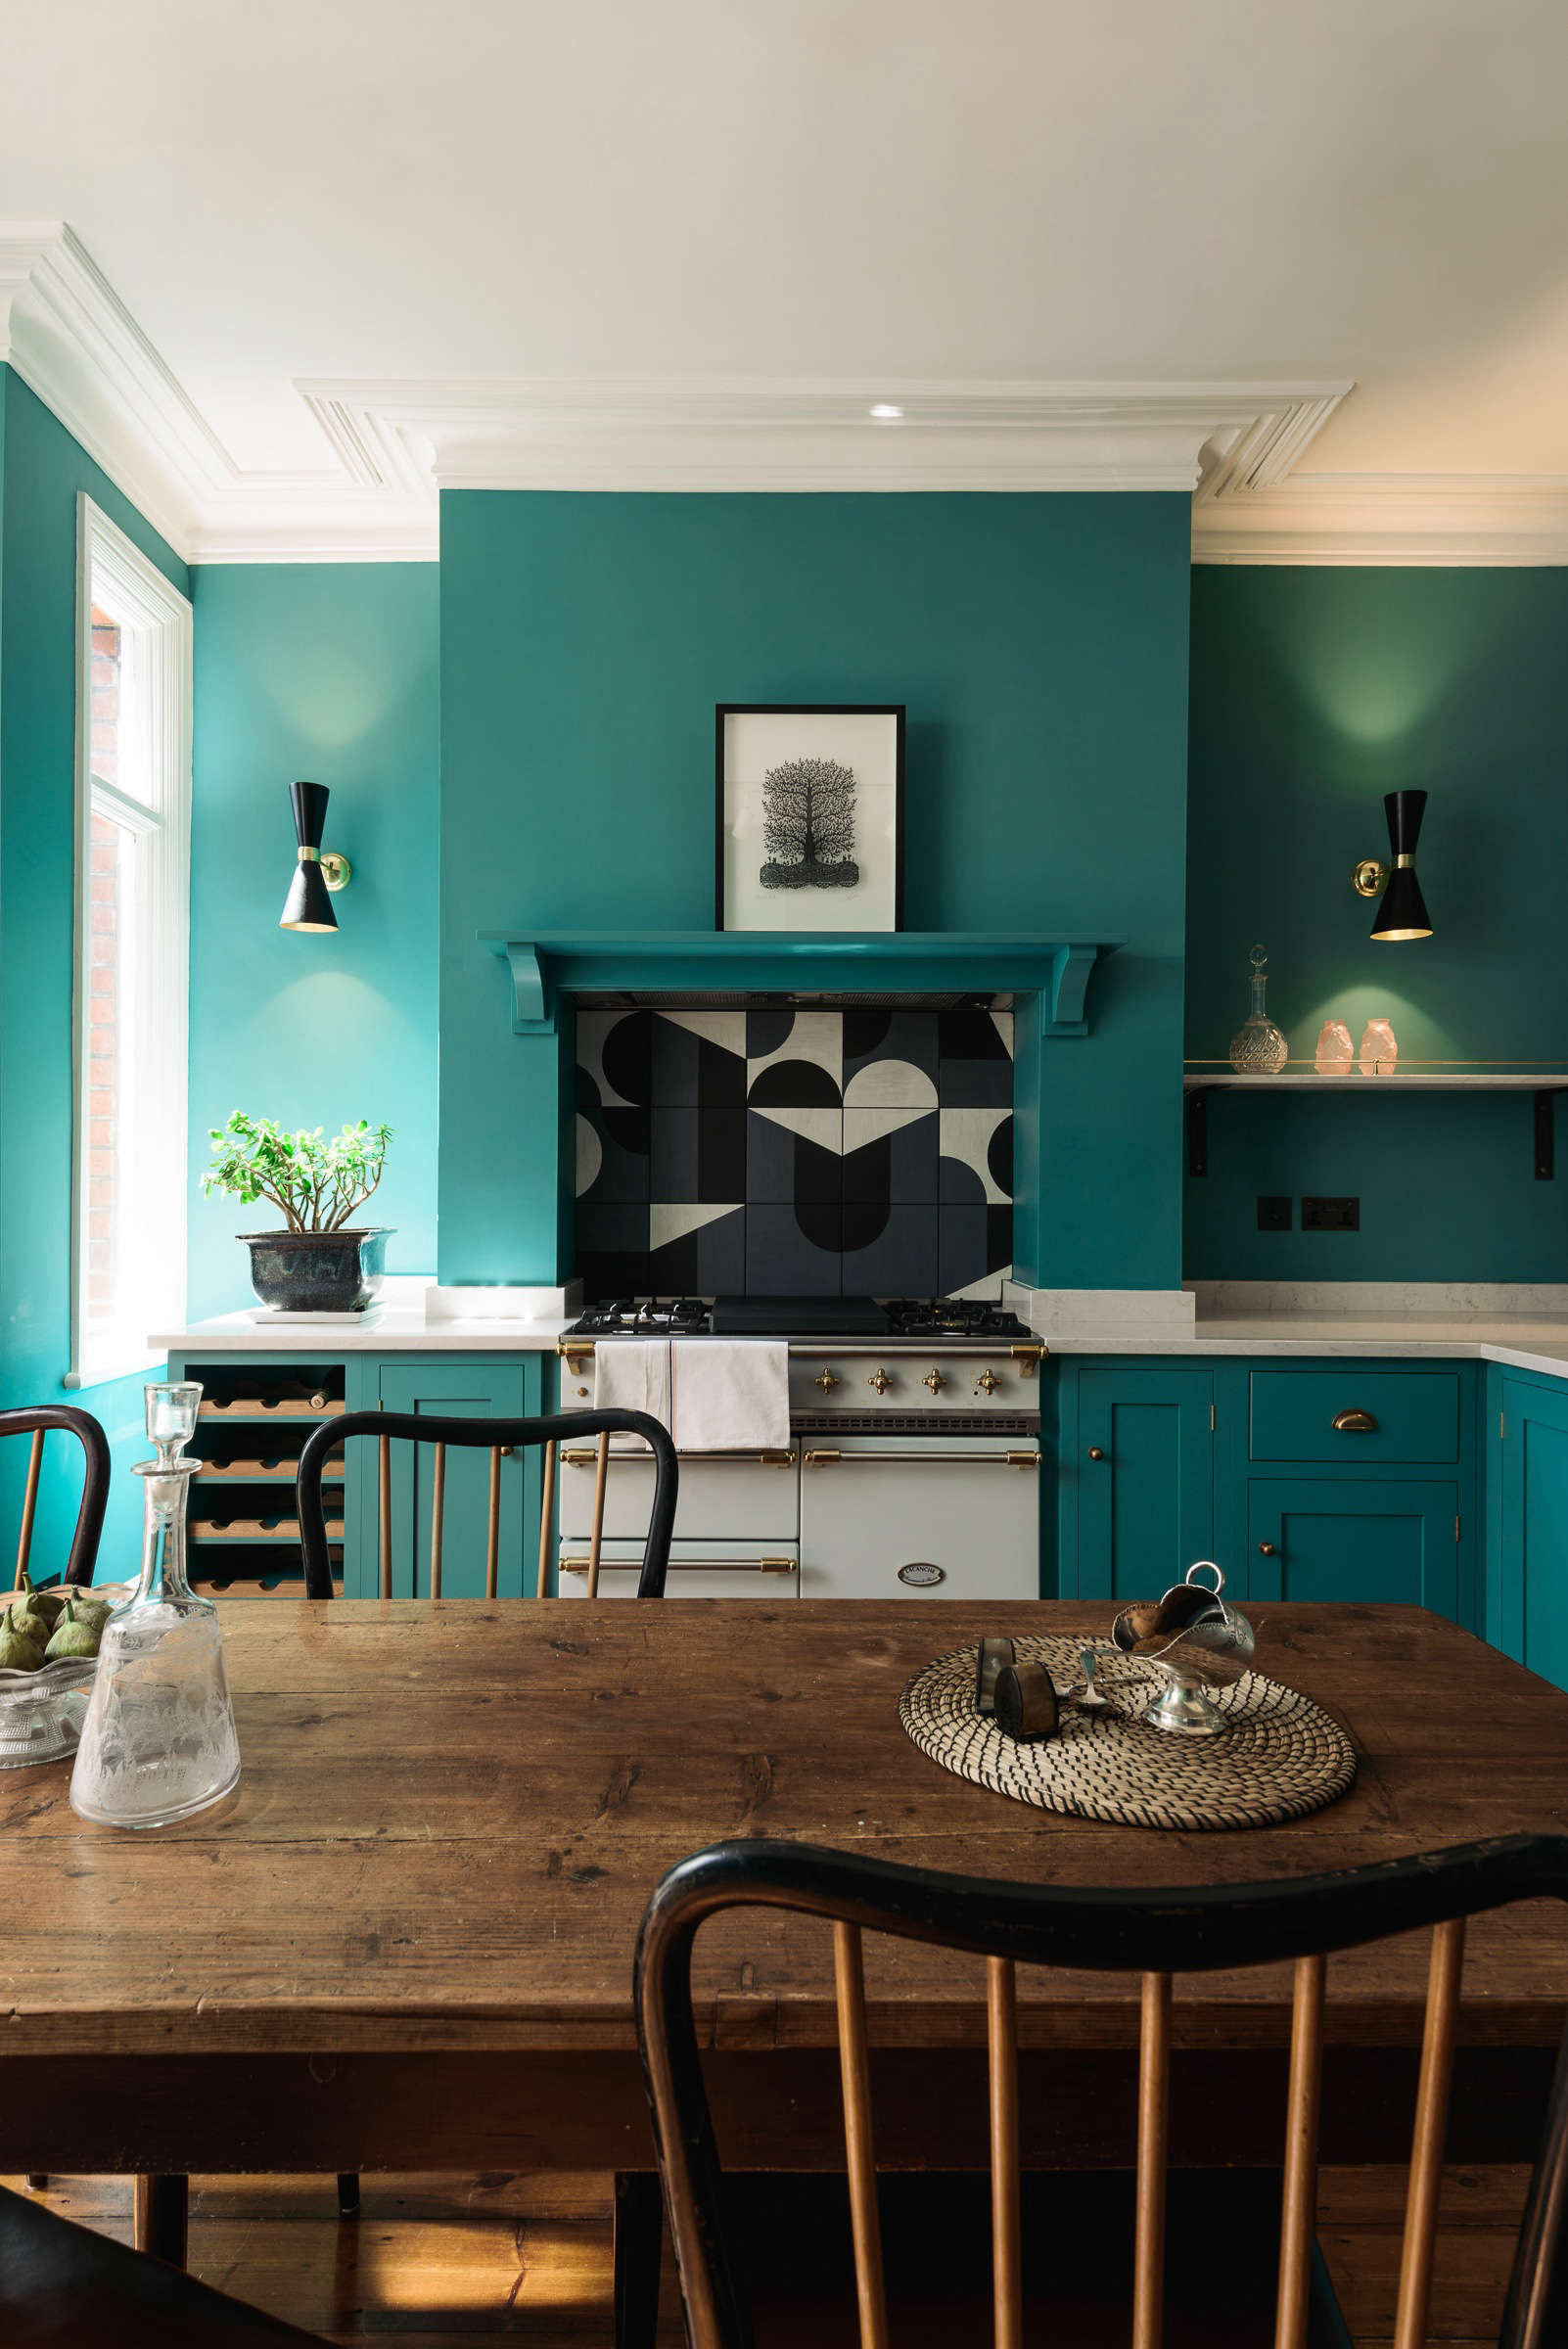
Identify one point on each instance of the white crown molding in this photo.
(1427, 521)
(388, 446)
(816, 433)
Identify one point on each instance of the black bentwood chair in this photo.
(497, 1437)
(638, 2239)
(36, 1420)
(1154, 1934)
(60, 2283)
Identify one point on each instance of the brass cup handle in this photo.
(1355, 1423)
(1095, 1452)
(1267, 1549)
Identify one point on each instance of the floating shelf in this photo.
(1198, 1083)
(798, 966)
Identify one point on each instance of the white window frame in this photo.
(156, 1022)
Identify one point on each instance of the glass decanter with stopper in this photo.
(1258, 1048)
(158, 1740)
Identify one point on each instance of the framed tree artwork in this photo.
(809, 815)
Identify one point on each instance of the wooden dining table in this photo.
(405, 1941)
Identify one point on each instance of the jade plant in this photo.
(318, 1185)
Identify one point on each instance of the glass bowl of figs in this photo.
(48, 1656)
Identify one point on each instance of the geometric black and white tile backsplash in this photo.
(793, 1153)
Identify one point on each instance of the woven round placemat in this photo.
(1279, 1756)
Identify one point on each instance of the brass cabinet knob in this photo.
(934, 1380)
(505, 1451)
(986, 1383)
(880, 1380)
(826, 1381)
(1095, 1453)
(1266, 1550)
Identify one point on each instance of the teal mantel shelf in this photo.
(793, 966)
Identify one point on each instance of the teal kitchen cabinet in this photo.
(1530, 1464)
(1354, 1539)
(1350, 1479)
(488, 1386)
(1136, 1477)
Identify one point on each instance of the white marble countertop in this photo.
(1522, 1343)
(394, 1329)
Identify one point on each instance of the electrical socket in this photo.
(1276, 1213)
(1331, 1215)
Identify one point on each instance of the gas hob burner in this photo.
(643, 1317)
(953, 1318)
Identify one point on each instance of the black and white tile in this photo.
(793, 1153)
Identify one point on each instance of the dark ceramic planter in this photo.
(318, 1271)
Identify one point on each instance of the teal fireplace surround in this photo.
(798, 966)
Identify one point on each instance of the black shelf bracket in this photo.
(1198, 1133)
(1546, 1136)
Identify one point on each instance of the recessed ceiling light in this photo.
(884, 412)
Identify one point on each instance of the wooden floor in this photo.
(442, 2263)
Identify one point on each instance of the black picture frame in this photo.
(724, 710)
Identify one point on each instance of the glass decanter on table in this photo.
(158, 1740)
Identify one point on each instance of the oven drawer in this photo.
(697, 1570)
(723, 1496)
(1352, 1415)
(920, 1517)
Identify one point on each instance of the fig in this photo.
(26, 1619)
(72, 1636)
(17, 1652)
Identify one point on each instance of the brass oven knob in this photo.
(986, 1383)
(826, 1381)
(934, 1380)
(880, 1380)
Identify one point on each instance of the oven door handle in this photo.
(589, 1458)
(926, 1460)
(686, 1566)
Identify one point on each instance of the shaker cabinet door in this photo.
(1534, 1565)
(495, 1389)
(1144, 1475)
(1346, 1539)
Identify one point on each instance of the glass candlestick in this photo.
(1258, 1048)
(158, 1740)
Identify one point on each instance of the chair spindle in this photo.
(1300, 2199)
(1431, 2127)
(854, 2068)
(492, 1546)
(601, 1472)
(438, 1516)
(29, 1504)
(383, 1505)
(1007, 2241)
(1154, 2112)
(546, 1521)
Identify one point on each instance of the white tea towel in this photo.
(632, 1374)
(729, 1395)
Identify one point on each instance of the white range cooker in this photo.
(912, 1469)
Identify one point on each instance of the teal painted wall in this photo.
(43, 471)
(329, 672)
(1314, 692)
(1041, 644)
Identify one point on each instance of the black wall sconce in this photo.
(1403, 913)
(309, 905)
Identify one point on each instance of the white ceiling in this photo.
(402, 204)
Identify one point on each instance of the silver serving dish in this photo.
(1192, 1641)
